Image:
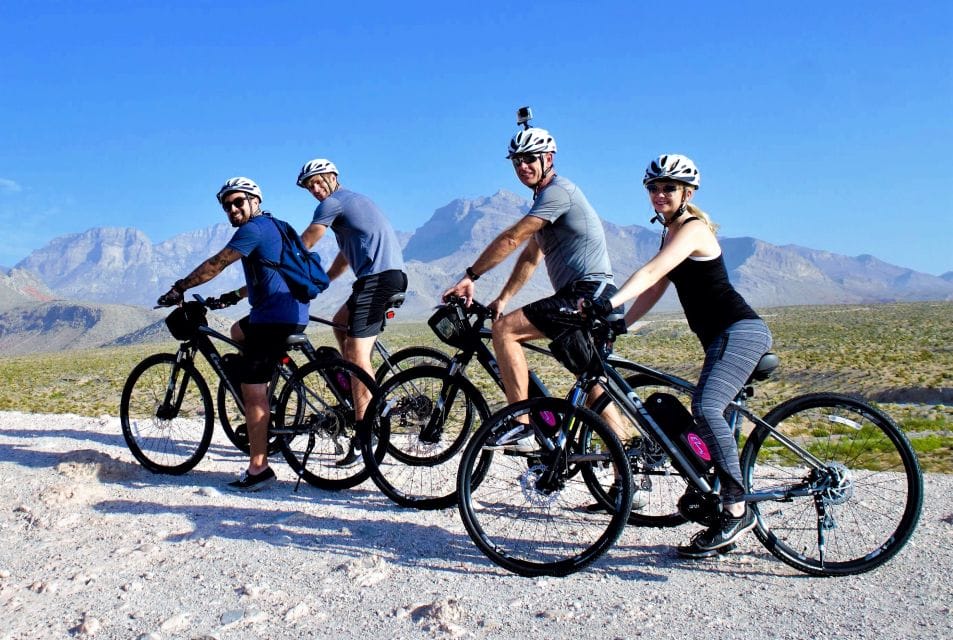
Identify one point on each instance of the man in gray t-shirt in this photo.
(562, 228)
(368, 245)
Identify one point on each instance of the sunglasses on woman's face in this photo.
(234, 202)
(664, 188)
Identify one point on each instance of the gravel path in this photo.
(91, 545)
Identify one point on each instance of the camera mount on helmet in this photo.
(523, 116)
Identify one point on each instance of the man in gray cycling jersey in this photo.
(369, 245)
(560, 228)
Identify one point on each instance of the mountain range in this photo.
(104, 270)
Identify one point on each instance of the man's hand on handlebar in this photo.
(496, 308)
(171, 298)
(225, 300)
(463, 289)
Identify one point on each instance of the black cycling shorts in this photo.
(541, 313)
(265, 345)
(368, 302)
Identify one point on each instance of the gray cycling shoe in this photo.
(726, 532)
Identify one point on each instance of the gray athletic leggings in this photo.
(729, 360)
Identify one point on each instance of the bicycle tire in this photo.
(313, 412)
(655, 480)
(409, 357)
(427, 418)
(232, 418)
(532, 529)
(872, 509)
(162, 437)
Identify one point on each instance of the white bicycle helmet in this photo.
(313, 168)
(238, 184)
(673, 166)
(531, 141)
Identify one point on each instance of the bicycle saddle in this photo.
(766, 366)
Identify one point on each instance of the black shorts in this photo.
(541, 312)
(368, 302)
(265, 344)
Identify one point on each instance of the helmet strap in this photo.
(542, 178)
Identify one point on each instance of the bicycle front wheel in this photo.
(314, 422)
(856, 512)
(527, 512)
(166, 414)
(427, 417)
(408, 358)
(657, 483)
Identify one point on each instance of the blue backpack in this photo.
(300, 268)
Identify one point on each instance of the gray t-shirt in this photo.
(364, 235)
(574, 241)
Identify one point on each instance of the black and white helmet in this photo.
(238, 184)
(531, 141)
(673, 166)
(313, 168)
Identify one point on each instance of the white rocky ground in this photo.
(93, 546)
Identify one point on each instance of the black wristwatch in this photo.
(472, 274)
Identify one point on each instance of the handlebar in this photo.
(474, 307)
(603, 328)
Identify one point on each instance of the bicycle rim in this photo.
(314, 422)
(657, 483)
(528, 519)
(409, 358)
(166, 431)
(861, 511)
(427, 419)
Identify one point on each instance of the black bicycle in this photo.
(834, 483)
(314, 415)
(166, 409)
(429, 412)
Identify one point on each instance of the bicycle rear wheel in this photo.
(166, 414)
(408, 358)
(315, 425)
(527, 511)
(232, 417)
(657, 483)
(859, 510)
(428, 416)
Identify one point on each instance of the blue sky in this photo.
(827, 125)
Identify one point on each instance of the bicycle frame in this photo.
(615, 385)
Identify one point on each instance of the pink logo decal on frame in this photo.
(698, 446)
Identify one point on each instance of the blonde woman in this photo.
(733, 336)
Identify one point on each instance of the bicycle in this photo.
(316, 402)
(166, 409)
(429, 412)
(834, 484)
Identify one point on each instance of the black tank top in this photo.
(711, 304)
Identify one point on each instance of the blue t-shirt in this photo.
(268, 294)
(364, 235)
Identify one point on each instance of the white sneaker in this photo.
(518, 438)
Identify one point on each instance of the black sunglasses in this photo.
(665, 188)
(235, 202)
(518, 160)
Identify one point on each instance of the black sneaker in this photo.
(694, 552)
(352, 458)
(253, 482)
(725, 532)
